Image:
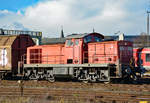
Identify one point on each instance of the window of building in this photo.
(147, 57)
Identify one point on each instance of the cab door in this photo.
(73, 51)
(77, 58)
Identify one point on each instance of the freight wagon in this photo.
(12, 47)
(85, 57)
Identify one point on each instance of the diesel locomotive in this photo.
(85, 57)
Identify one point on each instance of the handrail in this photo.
(39, 58)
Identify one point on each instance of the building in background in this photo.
(36, 36)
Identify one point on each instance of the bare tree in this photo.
(141, 41)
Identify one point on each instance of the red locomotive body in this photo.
(46, 54)
(110, 52)
(76, 47)
(74, 51)
(86, 57)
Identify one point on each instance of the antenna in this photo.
(62, 32)
(93, 30)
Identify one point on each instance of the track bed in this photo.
(73, 92)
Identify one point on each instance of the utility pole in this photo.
(148, 28)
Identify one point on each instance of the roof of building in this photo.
(53, 41)
(126, 37)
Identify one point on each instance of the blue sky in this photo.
(15, 5)
(105, 16)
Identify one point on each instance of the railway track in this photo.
(74, 91)
(76, 94)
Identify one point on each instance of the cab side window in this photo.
(97, 39)
(88, 39)
(76, 42)
(69, 43)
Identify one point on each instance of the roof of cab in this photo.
(82, 35)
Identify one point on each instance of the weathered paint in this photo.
(110, 52)
(12, 47)
(46, 54)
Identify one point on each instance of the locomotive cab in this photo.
(76, 47)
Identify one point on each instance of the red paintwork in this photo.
(74, 52)
(140, 57)
(61, 53)
(46, 54)
(110, 52)
(79, 52)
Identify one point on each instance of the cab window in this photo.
(88, 39)
(97, 39)
(69, 43)
(76, 42)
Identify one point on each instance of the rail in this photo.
(122, 93)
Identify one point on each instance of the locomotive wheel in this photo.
(50, 76)
(84, 78)
(92, 78)
(85, 81)
(134, 77)
(1, 76)
(51, 79)
(33, 76)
